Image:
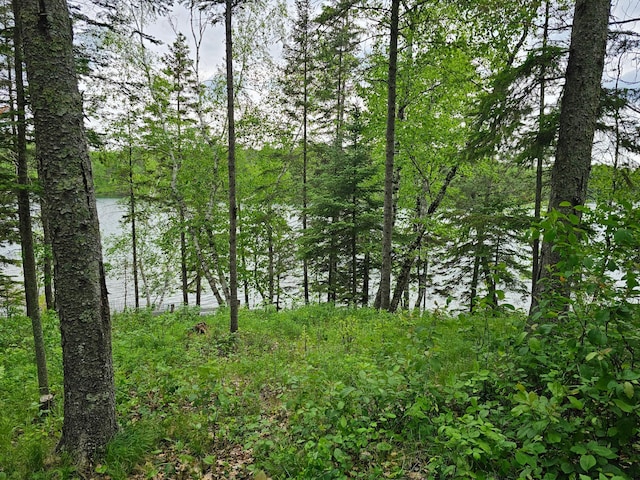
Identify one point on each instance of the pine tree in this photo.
(297, 84)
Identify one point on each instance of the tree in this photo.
(70, 206)
(344, 212)
(297, 81)
(387, 225)
(578, 117)
(24, 215)
(233, 209)
(484, 233)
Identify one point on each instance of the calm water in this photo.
(120, 282)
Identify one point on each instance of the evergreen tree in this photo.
(343, 214)
(297, 89)
(484, 235)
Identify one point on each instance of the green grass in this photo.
(313, 393)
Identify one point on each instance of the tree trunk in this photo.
(70, 207)
(540, 152)
(183, 262)
(47, 267)
(422, 266)
(387, 227)
(305, 166)
(578, 116)
(134, 233)
(233, 264)
(24, 215)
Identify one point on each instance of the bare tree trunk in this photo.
(47, 267)
(134, 233)
(233, 264)
(24, 215)
(540, 153)
(387, 227)
(70, 206)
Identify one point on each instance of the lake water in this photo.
(120, 282)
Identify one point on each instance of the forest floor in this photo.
(312, 393)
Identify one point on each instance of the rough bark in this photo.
(70, 207)
(387, 228)
(24, 216)
(578, 116)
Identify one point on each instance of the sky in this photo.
(212, 47)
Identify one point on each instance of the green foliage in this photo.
(324, 392)
(484, 235)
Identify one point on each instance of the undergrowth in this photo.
(331, 393)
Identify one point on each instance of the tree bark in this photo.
(24, 216)
(70, 207)
(578, 116)
(233, 214)
(540, 152)
(387, 227)
(47, 266)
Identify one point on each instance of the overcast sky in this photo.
(212, 49)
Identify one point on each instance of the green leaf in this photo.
(383, 447)
(623, 236)
(339, 455)
(628, 389)
(601, 450)
(524, 459)
(556, 389)
(579, 449)
(603, 315)
(587, 462)
(554, 437)
(622, 405)
(590, 356)
(596, 337)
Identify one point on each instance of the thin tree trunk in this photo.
(24, 214)
(271, 264)
(70, 206)
(305, 166)
(183, 263)
(134, 233)
(47, 267)
(387, 228)
(198, 288)
(365, 279)
(422, 266)
(540, 153)
(473, 291)
(233, 265)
